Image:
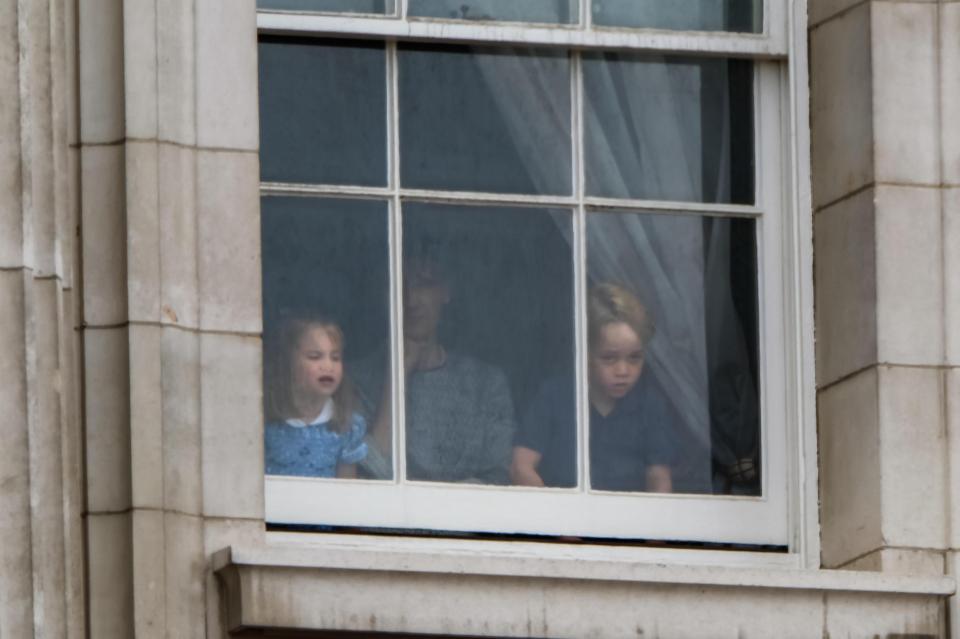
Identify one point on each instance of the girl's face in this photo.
(616, 361)
(317, 364)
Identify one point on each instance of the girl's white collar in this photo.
(325, 416)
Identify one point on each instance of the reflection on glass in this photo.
(742, 16)
(673, 354)
(546, 11)
(488, 317)
(482, 119)
(667, 128)
(319, 95)
(339, 6)
(325, 308)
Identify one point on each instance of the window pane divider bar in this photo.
(343, 190)
(580, 276)
(668, 206)
(459, 197)
(509, 199)
(398, 395)
(390, 28)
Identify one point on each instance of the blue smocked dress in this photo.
(294, 447)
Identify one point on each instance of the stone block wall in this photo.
(170, 262)
(41, 554)
(885, 155)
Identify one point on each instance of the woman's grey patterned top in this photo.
(460, 421)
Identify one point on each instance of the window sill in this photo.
(335, 582)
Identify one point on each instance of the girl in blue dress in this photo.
(311, 430)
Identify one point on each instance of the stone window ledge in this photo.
(533, 590)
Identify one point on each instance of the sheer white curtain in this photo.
(646, 140)
(655, 107)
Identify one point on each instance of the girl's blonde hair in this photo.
(608, 303)
(279, 348)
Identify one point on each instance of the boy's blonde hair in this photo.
(279, 348)
(608, 303)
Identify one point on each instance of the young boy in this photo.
(631, 424)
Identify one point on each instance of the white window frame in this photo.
(785, 514)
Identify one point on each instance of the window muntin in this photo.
(293, 500)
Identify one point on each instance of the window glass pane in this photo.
(743, 16)
(673, 353)
(323, 113)
(550, 11)
(482, 119)
(346, 6)
(668, 128)
(488, 319)
(325, 312)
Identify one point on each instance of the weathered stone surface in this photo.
(176, 70)
(217, 534)
(146, 416)
(140, 68)
(905, 120)
(110, 576)
(16, 583)
(46, 463)
(949, 83)
(179, 301)
(107, 418)
(951, 273)
(149, 578)
(901, 561)
(11, 213)
(101, 71)
(952, 389)
(518, 595)
(227, 84)
(143, 231)
(104, 241)
(841, 106)
(229, 271)
(232, 411)
(850, 472)
(180, 400)
(846, 287)
(185, 568)
(913, 457)
(909, 309)
(850, 615)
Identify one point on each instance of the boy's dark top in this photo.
(638, 433)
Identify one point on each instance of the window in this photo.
(536, 255)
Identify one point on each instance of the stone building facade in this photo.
(131, 470)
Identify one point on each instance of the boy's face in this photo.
(616, 361)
